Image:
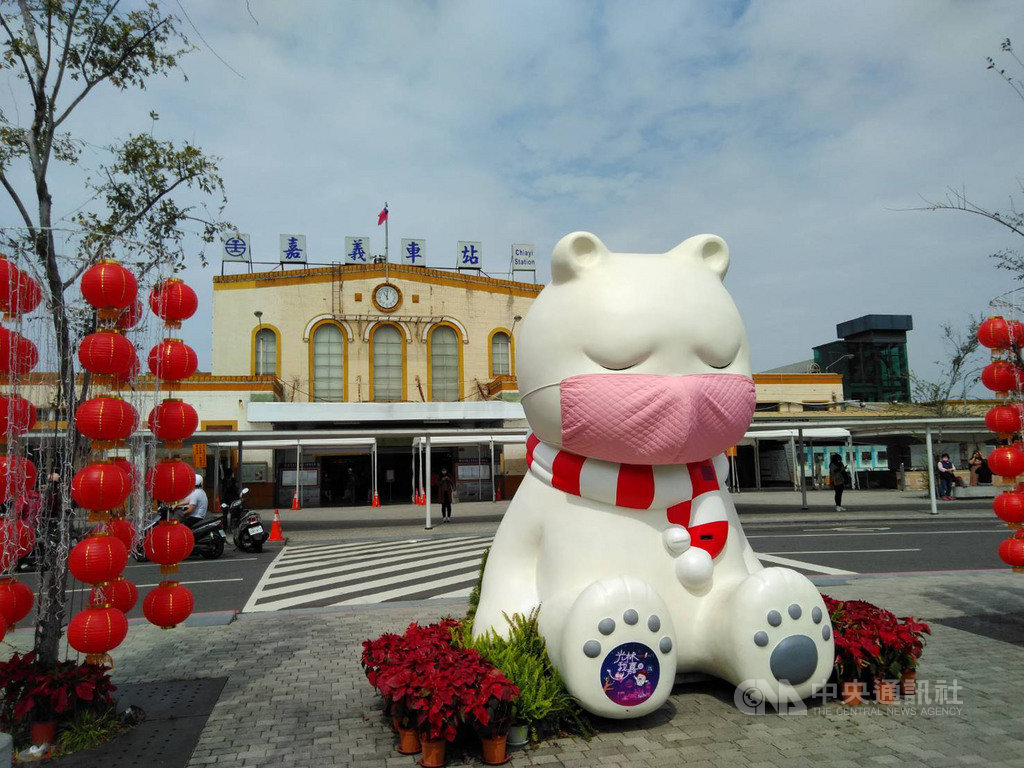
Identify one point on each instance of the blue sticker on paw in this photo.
(629, 674)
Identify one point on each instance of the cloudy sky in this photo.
(795, 130)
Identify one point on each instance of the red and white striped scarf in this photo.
(680, 489)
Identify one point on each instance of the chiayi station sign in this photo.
(524, 257)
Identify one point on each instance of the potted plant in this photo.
(489, 710)
(435, 702)
(912, 646)
(395, 683)
(45, 696)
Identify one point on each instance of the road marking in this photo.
(292, 563)
(190, 563)
(879, 533)
(838, 551)
(806, 566)
(379, 597)
(263, 580)
(850, 528)
(199, 581)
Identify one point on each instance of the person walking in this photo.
(947, 476)
(975, 463)
(446, 486)
(837, 474)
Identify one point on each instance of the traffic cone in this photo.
(376, 499)
(423, 498)
(295, 501)
(497, 493)
(275, 528)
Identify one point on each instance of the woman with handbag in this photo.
(837, 474)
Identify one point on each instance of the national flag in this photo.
(383, 215)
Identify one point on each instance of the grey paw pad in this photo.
(794, 659)
(631, 617)
(826, 632)
(774, 618)
(592, 649)
(665, 644)
(816, 615)
(795, 611)
(606, 627)
(654, 623)
(761, 639)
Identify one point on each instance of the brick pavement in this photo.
(297, 697)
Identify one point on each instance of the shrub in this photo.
(544, 704)
(31, 693)
(89, 728)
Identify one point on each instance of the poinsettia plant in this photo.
(489, 705)
(32, 693)
(872, 642)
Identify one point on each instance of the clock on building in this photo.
(387, 297)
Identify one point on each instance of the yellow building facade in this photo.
(374, 333)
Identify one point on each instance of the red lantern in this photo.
(106, 418)
(168, 543)
(17, 416)
(107, 353)
(130, 469)
(119, 593)
(994, 333)
(1007, 461)
(1001, 376)
(1011, 551)
(170, 480)
(123, 531)
(97, 558)
(97, 631)
(121, 380)
(101, 486)
(23, 599)
(17, 476)
(129, 316)
(1004, 419)
(19, 293)
(173, 301)
(168, 604)
(109, 287)
(16, 540)
(1009, 507)
(18, 355)
(173, 421)
(172, 360)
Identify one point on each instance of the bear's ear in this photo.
(574, 253)
(711, 249)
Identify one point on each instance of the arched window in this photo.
(265, 352)
(501, 354)
(444, 364)
(328, 364)
(387, 364)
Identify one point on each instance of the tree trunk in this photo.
(55, 522)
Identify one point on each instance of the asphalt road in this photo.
(857, 547)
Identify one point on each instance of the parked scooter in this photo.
(249, 532)
(208, 532)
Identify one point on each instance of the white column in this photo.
(757, 463)
(803, 470)
(298, 471)
(426, 480)
(931, 468)
(493, 495)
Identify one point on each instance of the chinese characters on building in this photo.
(469, 254)
(357, 250)
(414, 251)
(293, 249)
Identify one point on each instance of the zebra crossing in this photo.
(362, 573)
(319, 575)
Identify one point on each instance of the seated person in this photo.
(197, 505)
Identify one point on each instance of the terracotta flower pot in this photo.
(408, 741)
(433, 753)
(852, 692)
(886, 691)
(908, 682)
(494, 752)
(44, 733)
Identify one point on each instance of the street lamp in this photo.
(259, 343)
(847, 356)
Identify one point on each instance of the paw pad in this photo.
(795, 657)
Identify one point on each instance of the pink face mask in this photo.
(635, 418)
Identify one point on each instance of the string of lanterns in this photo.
(1005, 377)
(172, 421)
(19, 295)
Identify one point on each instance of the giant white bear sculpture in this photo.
(635, 378)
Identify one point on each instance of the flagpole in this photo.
(387, 263)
